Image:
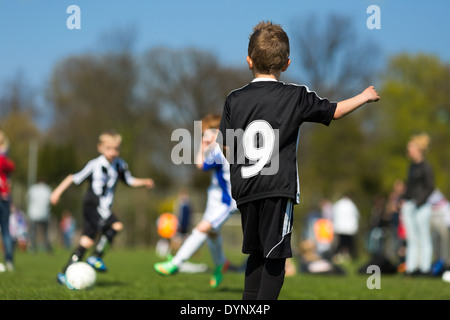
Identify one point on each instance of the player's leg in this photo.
(272, 278)
(251, 245)
(277, 220)
(85, 244)
(221, 264)
(77, 255)
(89, 231)
(192, 243)
(253, 273)
(215, 243)
(273, 218)
(104, 243)
(423, 216)
(5, 212)
(408, 212)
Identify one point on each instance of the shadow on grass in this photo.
(115, 283)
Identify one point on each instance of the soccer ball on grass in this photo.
(446, 276)
(80, 275)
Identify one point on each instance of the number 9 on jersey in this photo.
(260, 151)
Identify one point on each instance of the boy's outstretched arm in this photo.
(56, 194)
(143, 182)
(347, 106)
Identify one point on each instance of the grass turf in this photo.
(131, 277)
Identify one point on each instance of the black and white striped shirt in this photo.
(103, 177)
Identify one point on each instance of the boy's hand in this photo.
(347, 106)
(208, 138)
(371, 94)
(148, 183)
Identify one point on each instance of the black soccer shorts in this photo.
(267, 227)
(93, 222)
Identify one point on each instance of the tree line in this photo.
(147, 96)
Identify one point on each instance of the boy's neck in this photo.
(276, 75)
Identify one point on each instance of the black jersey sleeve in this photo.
(314, 108)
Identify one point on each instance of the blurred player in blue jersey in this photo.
(220, 205)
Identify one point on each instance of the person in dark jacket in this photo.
(415, 210)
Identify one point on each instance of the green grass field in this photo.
(131, 277)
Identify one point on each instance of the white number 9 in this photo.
(260, 154)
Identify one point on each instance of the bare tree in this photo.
(333, 59)
(18, 110)
(336, 63)
(188, 83)
(180, 87)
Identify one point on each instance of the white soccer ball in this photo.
(80, 275)
(446, 276)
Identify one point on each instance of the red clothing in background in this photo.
(6, 167)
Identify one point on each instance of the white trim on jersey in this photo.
(297, 194)
(310, 91)
(287, 224)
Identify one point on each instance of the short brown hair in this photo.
(268, 47)
(211, 121)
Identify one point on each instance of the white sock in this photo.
(189, 247)
(215, 246)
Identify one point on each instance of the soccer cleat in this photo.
(166, 268)
(97, 263)
(217, 276)
(61, 278)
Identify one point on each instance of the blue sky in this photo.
(34, 35)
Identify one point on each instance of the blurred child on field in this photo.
(103, 173)
(220, 205)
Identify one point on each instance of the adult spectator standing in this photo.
(39, 213)
(345, 224)
(416, 210)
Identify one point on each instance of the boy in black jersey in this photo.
(260, 129)
(103, 173)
